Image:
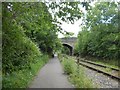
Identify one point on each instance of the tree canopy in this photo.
(100, 35)
(28, 26)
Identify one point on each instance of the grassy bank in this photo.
(107, 62)
(75, 73)
(22, 78)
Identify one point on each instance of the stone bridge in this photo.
(70, 43)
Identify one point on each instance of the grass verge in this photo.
(75, 73)
(107, 62)
(22, 78)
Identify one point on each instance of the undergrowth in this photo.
(108, 62)
(75, 73)
(22, 78)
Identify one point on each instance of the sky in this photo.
(75, 28)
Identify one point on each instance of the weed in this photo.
(76, 73)
(22, 78)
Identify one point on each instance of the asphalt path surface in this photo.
(51, 76)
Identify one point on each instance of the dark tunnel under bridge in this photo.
(69, 42)
(69, 47)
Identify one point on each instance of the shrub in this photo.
(76, 73)
(18, 51)
(80, 80)
(68, 65)
(22, 78)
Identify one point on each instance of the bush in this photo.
(99, 38)
(68, 65)
(22, 78)
(80, 80)
(18, 51)
(76, 73)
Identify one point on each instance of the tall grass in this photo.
(108, 62)
(76, 73)
(22, 78)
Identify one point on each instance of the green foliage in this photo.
(80, 80)
(28, 27)
(81, 46)
(37, 23)
(18, 50)
(76, 73)
(107, 62)
(100, 36)
(66, 11)
(68, 65)
(65, 50)
(22, 78)
(68, 34)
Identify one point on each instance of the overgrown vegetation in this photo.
(108, 62)
(21, 56)
(100, 36)
(65, 50)
(76, 73)
(30, 31)
(22, 78)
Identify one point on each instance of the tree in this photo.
(100, 34)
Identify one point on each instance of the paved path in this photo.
(51, 76)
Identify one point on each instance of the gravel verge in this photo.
(100, 80)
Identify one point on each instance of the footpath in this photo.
(51, 76)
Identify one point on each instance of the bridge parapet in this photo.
(70, 41)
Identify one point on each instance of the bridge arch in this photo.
(69, 42)
(69, 47)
